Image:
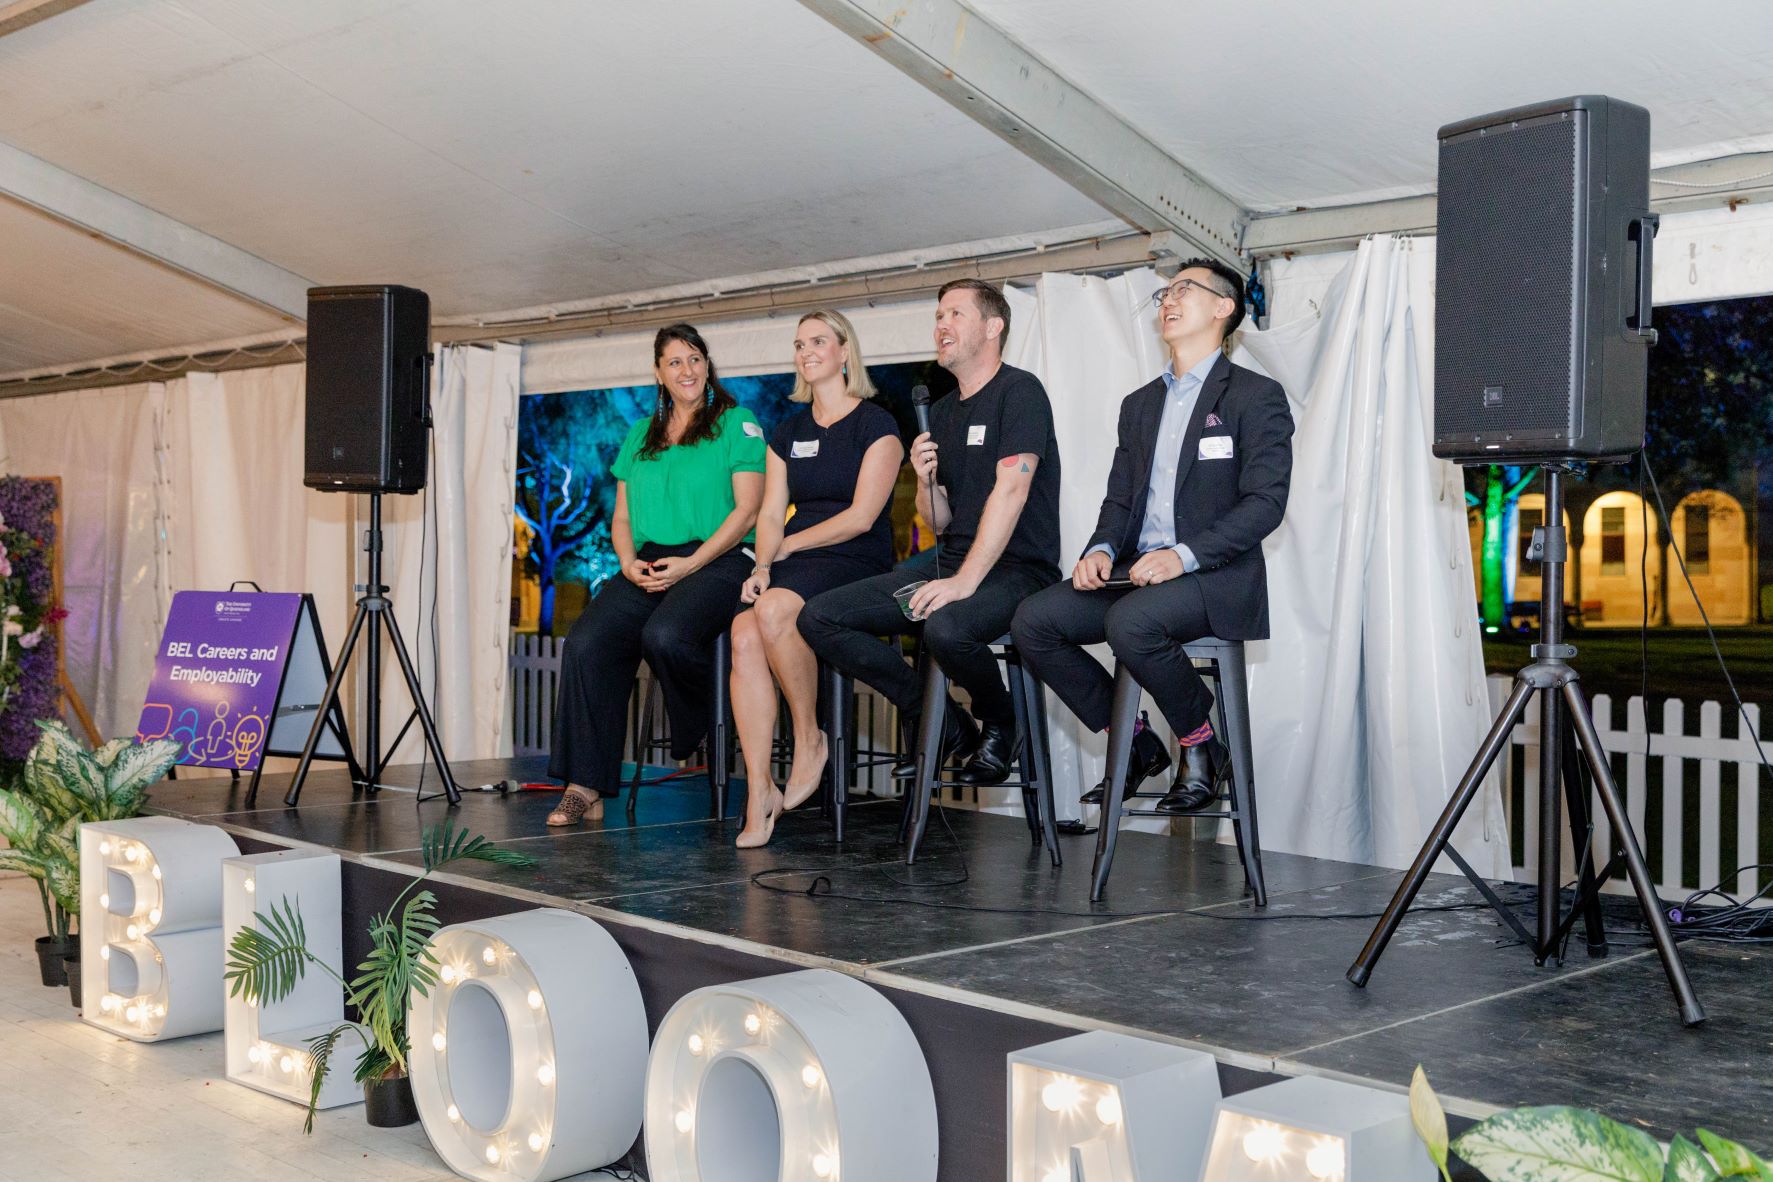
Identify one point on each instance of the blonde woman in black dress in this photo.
(835, 462)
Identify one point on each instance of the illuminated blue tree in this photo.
(560, 515)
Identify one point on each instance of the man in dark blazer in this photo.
(1199, 479)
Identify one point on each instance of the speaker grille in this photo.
(367, 348)
(1506, 320)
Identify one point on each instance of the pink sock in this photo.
(1197, 736)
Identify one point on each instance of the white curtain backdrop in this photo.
(1092, 342)
(1369, 699)
(459, 638)
(237, 508)
(197, 482)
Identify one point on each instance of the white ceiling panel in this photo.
(519, 153)
(1300, 102)
(67, 296)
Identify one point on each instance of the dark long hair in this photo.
(707, 417)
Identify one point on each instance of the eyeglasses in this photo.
(1180, 288)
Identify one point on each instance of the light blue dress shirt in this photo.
(1158, 530)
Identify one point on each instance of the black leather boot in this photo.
(990, 764)
(960, 734)
(1197, 780)
(1147, 759)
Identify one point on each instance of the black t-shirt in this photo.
(824, 464)
(1009, 416)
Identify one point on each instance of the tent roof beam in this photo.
(134, 227)
(954, 52)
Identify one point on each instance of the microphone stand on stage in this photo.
(1562, 708)
(373, 605)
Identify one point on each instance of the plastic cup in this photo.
(904, 594)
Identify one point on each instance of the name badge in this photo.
(804, 449)
(976, 435)
(1214, 447)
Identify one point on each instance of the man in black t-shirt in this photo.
(988, 481)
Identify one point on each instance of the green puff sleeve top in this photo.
(685, 492)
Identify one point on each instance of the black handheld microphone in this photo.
(920, 408)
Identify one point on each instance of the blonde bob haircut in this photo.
(856, 382)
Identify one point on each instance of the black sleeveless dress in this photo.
(824, 465)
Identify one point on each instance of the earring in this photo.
(710, 396)
(664, 402)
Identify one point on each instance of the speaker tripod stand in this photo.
(373, 608)
(1562, 708)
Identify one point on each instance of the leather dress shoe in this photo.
(960, 734)
(1147, 759)
(990, 763)
(1197, 780)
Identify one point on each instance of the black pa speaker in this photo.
(1542, 285)
(369, 352)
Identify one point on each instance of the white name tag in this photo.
(1215, 447)
(753, 430)
(804, 449)
(976, 435)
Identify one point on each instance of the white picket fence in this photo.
(535, 679)
(1692, 835)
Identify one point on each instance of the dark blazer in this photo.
(1224, 507)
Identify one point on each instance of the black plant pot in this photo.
(71, 966)
(50, 952)
(388, 1103)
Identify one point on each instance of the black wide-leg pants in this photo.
(674, 631)
(843, 626)
(1145, 626)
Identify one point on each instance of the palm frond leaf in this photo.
(320, 1049)
(373, 1063)
(443, 843)
(267, 959)
(400, 956)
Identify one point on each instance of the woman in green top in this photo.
(689, 479)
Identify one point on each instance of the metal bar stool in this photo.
(718, 743)
(1032, 754)
(1231, 701)
(837, 705)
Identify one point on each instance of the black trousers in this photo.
(843, 626)
(675, 631)
(1145, 626)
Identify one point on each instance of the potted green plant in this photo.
(63, 786)
(1574, 1145)
(266, 960)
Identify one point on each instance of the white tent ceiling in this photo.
(542, 151)
(1298, 102)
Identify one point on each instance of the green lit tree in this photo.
(1499, 489)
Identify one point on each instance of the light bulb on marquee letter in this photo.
(809, 1072)
(529, 1056)
(1319, 1130)
(1109, 1108)
(266, 1046)
(151, 919)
